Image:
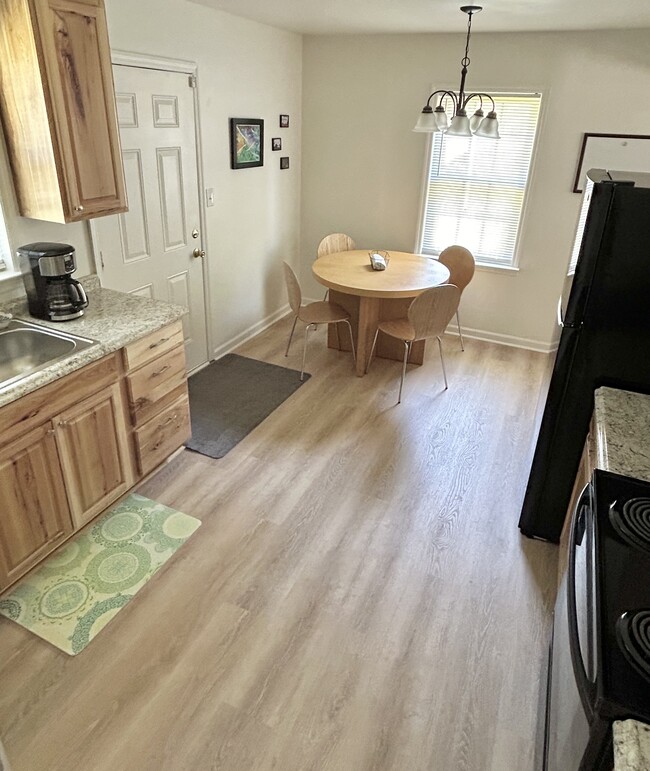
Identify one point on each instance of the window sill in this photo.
(503, 269)
(7, 275)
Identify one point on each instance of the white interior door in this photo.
(151, 249)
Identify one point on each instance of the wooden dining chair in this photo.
(335, 242)
(428, 316)
(312, 315)
(461, 265)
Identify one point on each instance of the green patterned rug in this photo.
(71, 597)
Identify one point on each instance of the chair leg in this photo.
(354, 353)
(304, 350)
(286, 353)
(407, 351)
(460, 334)
(325, 296)
(442, 361)
(338, 336)
(372, 350)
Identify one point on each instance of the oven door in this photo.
(569, 709)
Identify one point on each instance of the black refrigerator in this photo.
(605, 338)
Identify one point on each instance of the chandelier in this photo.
(479, 124)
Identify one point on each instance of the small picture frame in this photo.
(284, 162)
(246, 143)
(276, 143)
(284, 121)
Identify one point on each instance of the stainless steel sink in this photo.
(26, 348)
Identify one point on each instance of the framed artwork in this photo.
(246, 143)
(619, 152)
(284, 162)
(284, 121)
(276, 143)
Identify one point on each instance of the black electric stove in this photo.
(622, 562)
(599, 663)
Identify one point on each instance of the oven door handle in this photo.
(586, 689)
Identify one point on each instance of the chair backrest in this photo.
(431, 311)
(461, 264)
(293, 288)
(335, 242)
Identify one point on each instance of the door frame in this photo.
(144, 61)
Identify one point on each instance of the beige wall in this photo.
(245, 70)
(362, 164)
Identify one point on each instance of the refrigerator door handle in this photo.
(560, 317)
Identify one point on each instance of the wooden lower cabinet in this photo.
(70, 448)
(94, 447)
(34, 512)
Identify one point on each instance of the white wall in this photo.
(245, 70)
(362, 164)
(24, 231)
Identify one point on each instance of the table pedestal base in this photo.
(365, 314)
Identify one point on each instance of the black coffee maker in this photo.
(52, 293)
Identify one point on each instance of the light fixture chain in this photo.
(466, 58)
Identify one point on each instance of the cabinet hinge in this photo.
(192, 81)
(101, 259)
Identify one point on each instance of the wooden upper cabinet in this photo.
(58, 109)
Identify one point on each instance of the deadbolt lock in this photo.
(195, 233)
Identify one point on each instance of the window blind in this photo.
(475, 187)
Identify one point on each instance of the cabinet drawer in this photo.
(152, 382)
(162, 435)
(152, 346)
(38, 406)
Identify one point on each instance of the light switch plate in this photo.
(209, 196)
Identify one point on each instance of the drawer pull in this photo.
(161, 370)
(169, 420)
(160, 342)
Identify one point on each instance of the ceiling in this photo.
(319, 17)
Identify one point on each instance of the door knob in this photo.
(198, 253)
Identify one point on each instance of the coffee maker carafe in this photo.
(52, 293)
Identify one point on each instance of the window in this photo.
(475, 187)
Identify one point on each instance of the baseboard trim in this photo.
(473, 334)
(499, 339)
(249, 333)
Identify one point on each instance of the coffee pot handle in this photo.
(82, 297)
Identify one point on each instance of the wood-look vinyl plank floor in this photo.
(358, 597)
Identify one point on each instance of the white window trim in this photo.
(490, 267)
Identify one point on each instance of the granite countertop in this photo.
(631, 746)
(622, 421)
(113, 319)
(622, 430)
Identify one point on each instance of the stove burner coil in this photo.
(632, 523)
(633, 633)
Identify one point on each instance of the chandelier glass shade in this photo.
(480, 124)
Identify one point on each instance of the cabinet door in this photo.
(34, 514)
(95, 453)
(74, 41)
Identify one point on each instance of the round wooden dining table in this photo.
(371, 296)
